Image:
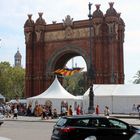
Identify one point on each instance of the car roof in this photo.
(83, 116)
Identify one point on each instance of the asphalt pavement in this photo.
(131, 119)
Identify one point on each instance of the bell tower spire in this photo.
(17, 59)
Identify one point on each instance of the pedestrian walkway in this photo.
(131, 119)
(30, 119)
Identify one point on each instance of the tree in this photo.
(75, 84)
(137, 78)
(11, 81)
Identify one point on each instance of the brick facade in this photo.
(51, 46)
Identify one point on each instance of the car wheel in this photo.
(90, 138)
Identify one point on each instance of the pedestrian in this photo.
(15, 112)
(43, 115)
(63, 111)
(55, 115)
(106, 111)
(138, 108)
(78, 110)
(134, 109)
(70, 113)
(97, 110)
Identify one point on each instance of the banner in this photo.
(67, 71)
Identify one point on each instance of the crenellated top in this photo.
(111, 14)
(97, 13)
(29, 22)
(40, 20)
(111, 11)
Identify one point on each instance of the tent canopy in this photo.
(119, 97)
(115, 90)
(55, 91)
(56, 94)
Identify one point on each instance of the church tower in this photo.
(17, 59)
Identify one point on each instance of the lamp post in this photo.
(90, 70)
(91, 100)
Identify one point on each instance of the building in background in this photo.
(17, 59)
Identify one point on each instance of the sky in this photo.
(13, 15)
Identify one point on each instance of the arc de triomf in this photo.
(50, 46)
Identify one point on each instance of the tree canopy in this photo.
(11, 81)
(75, 84)
(137, 78)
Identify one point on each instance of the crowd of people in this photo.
(45, 112)
(13, 110)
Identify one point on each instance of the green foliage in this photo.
(11, 81)
(137, 78)
(75, 84)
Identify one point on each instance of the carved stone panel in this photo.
(69, 33)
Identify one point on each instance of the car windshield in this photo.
(118, 124)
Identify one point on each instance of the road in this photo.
(16, 130)
(35, 130)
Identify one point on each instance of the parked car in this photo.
(91, 127)
(136, 136)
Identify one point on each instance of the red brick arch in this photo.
(61, 56)
(51, 46)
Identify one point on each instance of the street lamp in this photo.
(91, 100)
(90, 70)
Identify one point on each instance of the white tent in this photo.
(119, 97)
(102, 96)
(56, 94)
(125, 96)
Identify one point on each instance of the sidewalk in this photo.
(30, 119)
(131, 119)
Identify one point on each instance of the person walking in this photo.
(106, 111)
(70, 113)
(15, 112)
(97, 110)
(78, 110)
(138, 108)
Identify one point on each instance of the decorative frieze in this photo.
(69, 33)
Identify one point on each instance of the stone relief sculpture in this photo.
(111, 27)
(68, 33)
(97, 29)
(38, 35)
(27, 36)
(116, 30)
(68, 21)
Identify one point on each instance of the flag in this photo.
(67, 71)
